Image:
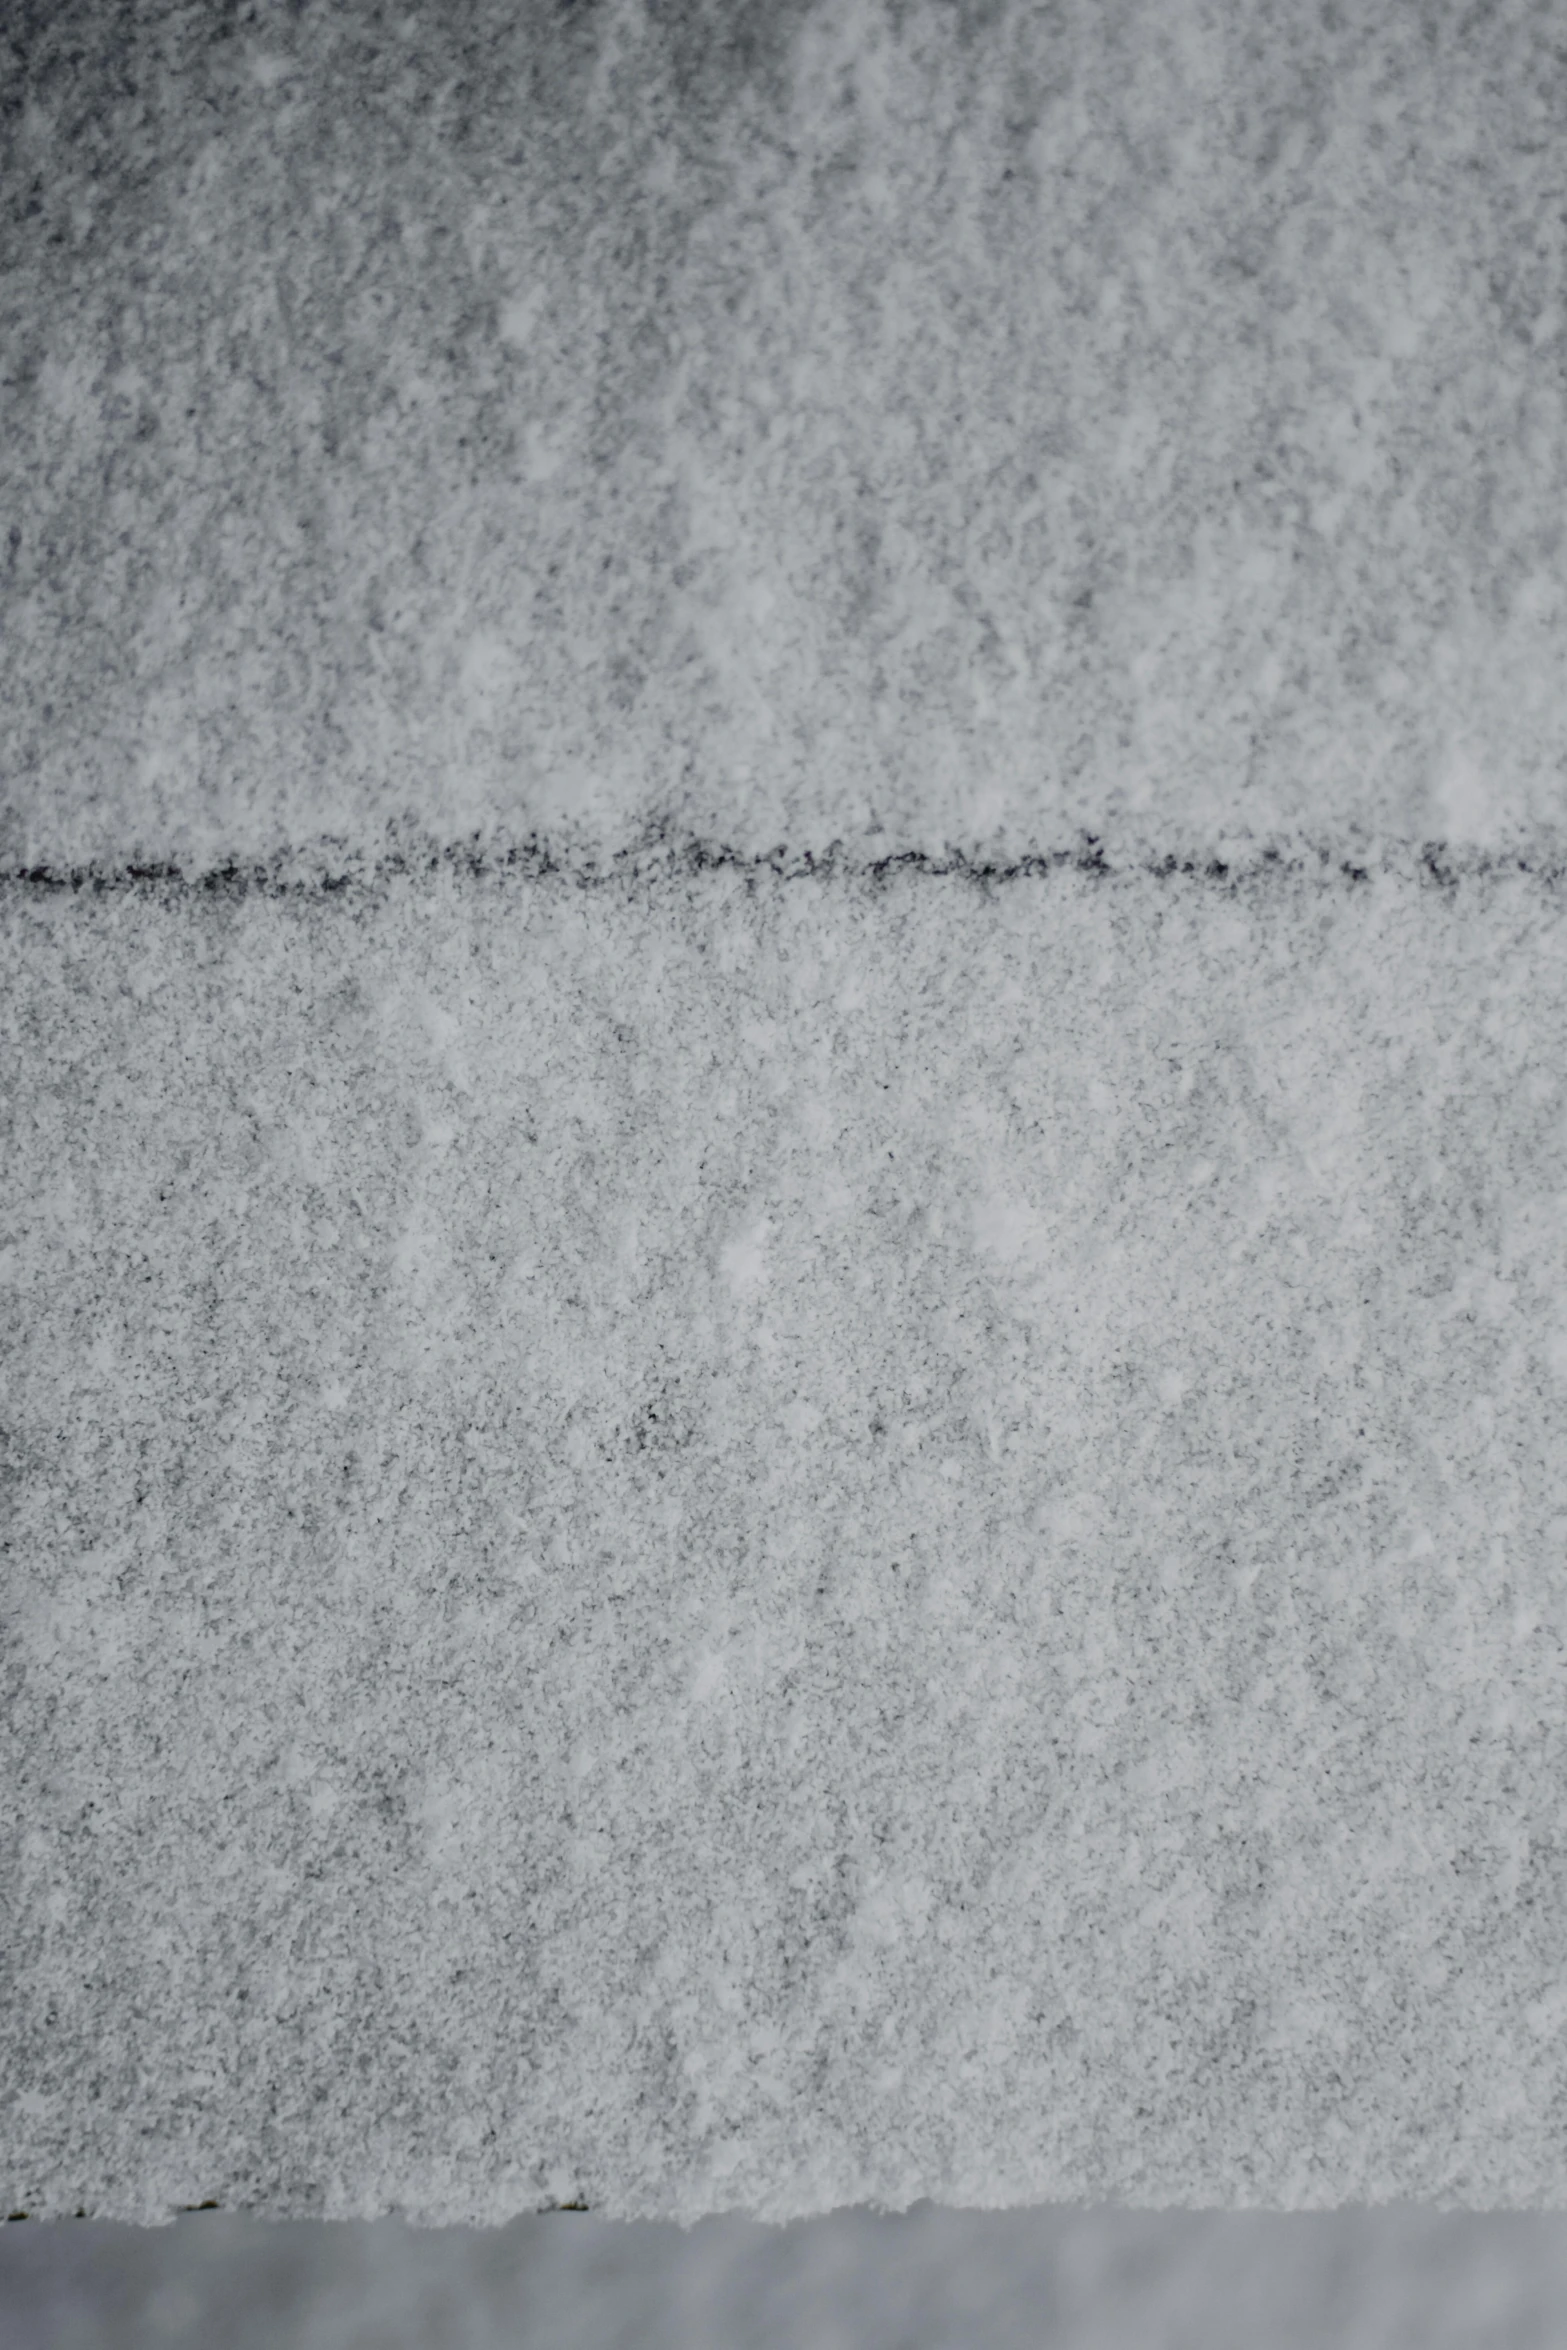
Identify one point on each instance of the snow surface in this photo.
(749, 1540)
(981, 420)
(703, 1533)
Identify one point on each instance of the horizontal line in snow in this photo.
(329, 866)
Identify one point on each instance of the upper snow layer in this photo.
(979, 422)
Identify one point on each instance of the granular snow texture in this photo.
(976, 416)
(728, 1537)
(722, 1527)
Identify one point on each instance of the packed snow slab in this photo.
(739, 1538)
(984, 419)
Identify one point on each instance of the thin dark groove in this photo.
(329, 868)
(537, 2211)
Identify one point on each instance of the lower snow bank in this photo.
(730, 1541)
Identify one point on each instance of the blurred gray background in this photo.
(927, 2279)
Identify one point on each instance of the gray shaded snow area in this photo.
(783, 1173)
(746, 1541)
(982, 419)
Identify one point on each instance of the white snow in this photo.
(791, 1544)
(734, 1540)
(980, 428)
